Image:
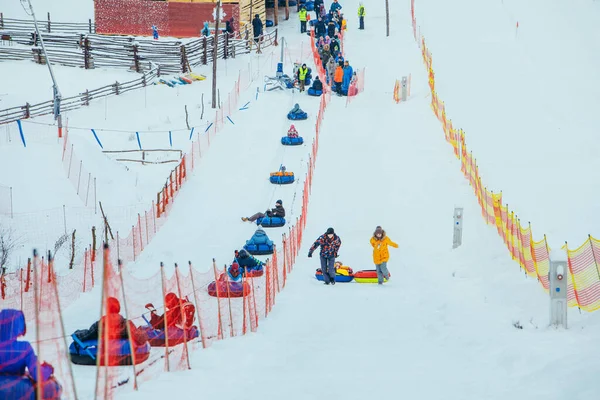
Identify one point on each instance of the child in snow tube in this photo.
(249, 265)
(179, 316)
(296, 113)
(229, 284)
(292, 138)
(116, 346)
(281, 177)
(259, 243)
(19, 367)
(317, 88)
(342, 273)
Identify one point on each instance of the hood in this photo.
(206, 25)
(12, 325)
(260, 233)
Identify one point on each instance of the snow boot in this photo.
(327, 283)
(333, 281)
(244, 219)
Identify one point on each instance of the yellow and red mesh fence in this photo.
(532, 256)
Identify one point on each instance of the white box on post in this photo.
(458, 218)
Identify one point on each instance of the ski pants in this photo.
(361, 22)
(302, 83)
(382, 271)
(328, 268)
(302, 26)
(256, 216)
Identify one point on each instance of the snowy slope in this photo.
(444, 326)
(526, 98)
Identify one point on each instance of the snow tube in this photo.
(297, 116)
(281, 178)
(157, 337)
(236, 289)
(292, 141)
(254, 272)
(269, 23)
(271, 222)
(258, 249)
(313, 92)
(23, 388)
(338, 277)
(367, 276)
(310, 6)
(86, 353)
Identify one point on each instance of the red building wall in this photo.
(136, 17)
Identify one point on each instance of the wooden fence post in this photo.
(136, 58)
(90, 26)
(116, 85)
(86, 53)
(205, 51)
(49, 27)
(226, 49)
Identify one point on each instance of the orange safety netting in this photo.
(532, 256)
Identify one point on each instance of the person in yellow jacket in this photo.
(381, 255)
(361, 16)
(302, 15)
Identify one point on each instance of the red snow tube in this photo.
(235, 289)
(366, 276)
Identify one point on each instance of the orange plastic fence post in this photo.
(182, 313)
(164, 296)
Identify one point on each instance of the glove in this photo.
(150, 307)
(47, 371)
(309, 254)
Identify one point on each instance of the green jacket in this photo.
(361, 11)
(302, 15)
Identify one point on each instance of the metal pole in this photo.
(215, 54)
(57, 95)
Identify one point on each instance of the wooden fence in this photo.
(47, 26)
(91, 50)
(71, 103)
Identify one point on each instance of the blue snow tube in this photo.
(338, 278)
(157, 337)
(258, 249)
(310, 6)
(86, 353)
(270, 222)
(292, 141)
(297, 116)
(23, 388)
(269, 23)
(282, 179)
(313, 92)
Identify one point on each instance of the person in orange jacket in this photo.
(381, 255)
(338, 78)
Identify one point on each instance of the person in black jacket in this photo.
(278, 211)
(317, 84)
(331, 29)
(229, 26)
(257, 26)
(320, 28)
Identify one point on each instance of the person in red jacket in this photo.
(330, 244)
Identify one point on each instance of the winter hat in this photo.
(243, 253)
(330, 231)
(379, 230)
(279, 202)
(235, 267)
(113, 306)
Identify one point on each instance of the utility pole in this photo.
(387, 18)
(215, 53)
(56, 93)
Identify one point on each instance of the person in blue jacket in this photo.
(246, 261)
(20, 370)
(205, 30)
(347, 77)
(260, 237)
(335, 6)
(234, 274)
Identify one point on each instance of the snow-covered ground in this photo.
(456, 324)
(526, 98)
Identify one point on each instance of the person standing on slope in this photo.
(330, 244)
(361, 16)
(381, 255)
